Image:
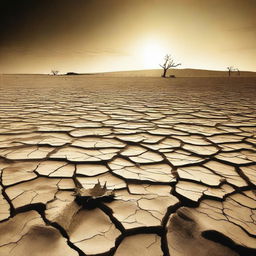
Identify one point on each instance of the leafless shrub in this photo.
(55, 72)
(230, 69)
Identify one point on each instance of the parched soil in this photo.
(178, 154)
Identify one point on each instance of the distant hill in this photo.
(176, 72)
(188, 72)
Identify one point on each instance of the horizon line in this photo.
(117, 71)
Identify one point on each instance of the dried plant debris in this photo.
(115, 167)
(90, 197)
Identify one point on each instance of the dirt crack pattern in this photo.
(179, 153)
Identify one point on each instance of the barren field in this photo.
(160, 166)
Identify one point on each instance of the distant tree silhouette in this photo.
(230, 69)
(238, 71)
(55, 72)
(168, 63)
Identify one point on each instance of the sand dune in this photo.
(188, 72)
(179, 73)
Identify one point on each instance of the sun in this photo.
(153, 53)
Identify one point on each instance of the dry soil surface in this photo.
(178, 153)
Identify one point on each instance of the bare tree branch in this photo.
(55, 72)
(230, 69)
(168, 63)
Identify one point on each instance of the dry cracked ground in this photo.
(179, 154)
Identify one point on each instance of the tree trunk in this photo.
(164, 73)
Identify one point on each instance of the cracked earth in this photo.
(179, 154)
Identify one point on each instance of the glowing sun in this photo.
(153, 53)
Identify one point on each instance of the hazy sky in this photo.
(104, 35)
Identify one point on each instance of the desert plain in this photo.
(178, 154)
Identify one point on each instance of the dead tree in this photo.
(230, 69)
(168, 63)
(55, 72)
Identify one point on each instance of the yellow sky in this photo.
(107, 35)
